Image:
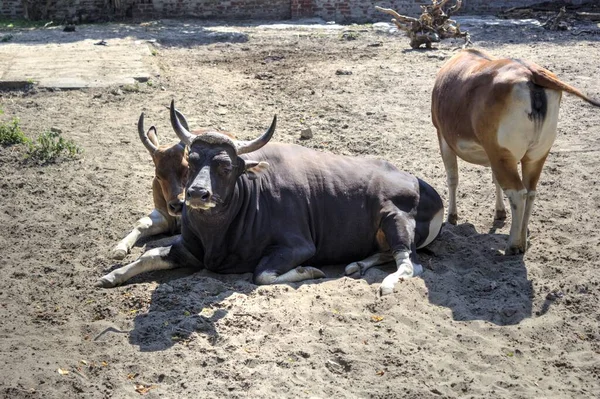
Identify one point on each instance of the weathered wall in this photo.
(489, 6)
(91, 10)
(330, 10)
(364, 11)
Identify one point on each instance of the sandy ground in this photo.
(476, 324)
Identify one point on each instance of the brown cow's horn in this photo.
(184, 135)
(244, 147)
(144, 137)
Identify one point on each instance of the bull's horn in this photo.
(184, 135)
(144, 137)
(244, 147)
(182, 118)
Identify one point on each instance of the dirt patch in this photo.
(476, 324)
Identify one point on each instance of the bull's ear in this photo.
(255, 168)
(153, 135)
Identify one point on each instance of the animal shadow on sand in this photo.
(464, 271)
(467, 272)
(184, 304)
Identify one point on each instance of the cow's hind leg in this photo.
(281, 265)
(154, 223)
(365, 264)
(531, 174)
(399, 230)
(505, 169)
(161, 258)
(500, 208)
(451, 165)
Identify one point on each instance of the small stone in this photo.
(55, 130)
(264, 76)
(343, 72)
(306, 134)
(117, 92)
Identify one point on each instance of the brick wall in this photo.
(93, 10)
(490, 6)
(330, 10)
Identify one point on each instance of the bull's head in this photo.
(170, 168)
(215, 163)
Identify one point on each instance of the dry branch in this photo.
(433, 25)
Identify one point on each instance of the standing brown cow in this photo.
(498, 112)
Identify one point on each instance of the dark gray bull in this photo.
(285, 205)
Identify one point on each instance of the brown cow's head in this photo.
(170, 168)
(215, 164)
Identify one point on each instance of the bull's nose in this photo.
(175, 206)
(200, 193)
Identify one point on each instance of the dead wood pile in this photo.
(433, 25)
(557, 15)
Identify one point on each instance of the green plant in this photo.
(50, 146)
(11, 133)
(11, 23)
(150, 83)
(134, 88)
(154, 52)
(6, 38)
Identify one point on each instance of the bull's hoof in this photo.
(311, 272)
(452, 218)
(118, 253)
(500, 214)
(385, 290)
(355, 267)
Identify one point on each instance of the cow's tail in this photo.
(545, 78)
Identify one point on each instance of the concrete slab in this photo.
(77, 64)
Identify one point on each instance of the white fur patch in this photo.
(434, 227)
(406, 269)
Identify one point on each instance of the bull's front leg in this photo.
(281, 265)
(399, 230)
(155, 223)
(406, 269)
(161, 258)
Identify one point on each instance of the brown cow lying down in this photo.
(170, 174)
(498, 112)
(279, 210)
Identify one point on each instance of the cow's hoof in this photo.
(104, 282)
(513, 250)
(118, 253)
(500, 214)
(452, 218)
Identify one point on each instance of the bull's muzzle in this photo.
(199, 198)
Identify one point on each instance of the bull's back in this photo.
(334, 201)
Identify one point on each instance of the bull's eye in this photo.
(226, 169)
